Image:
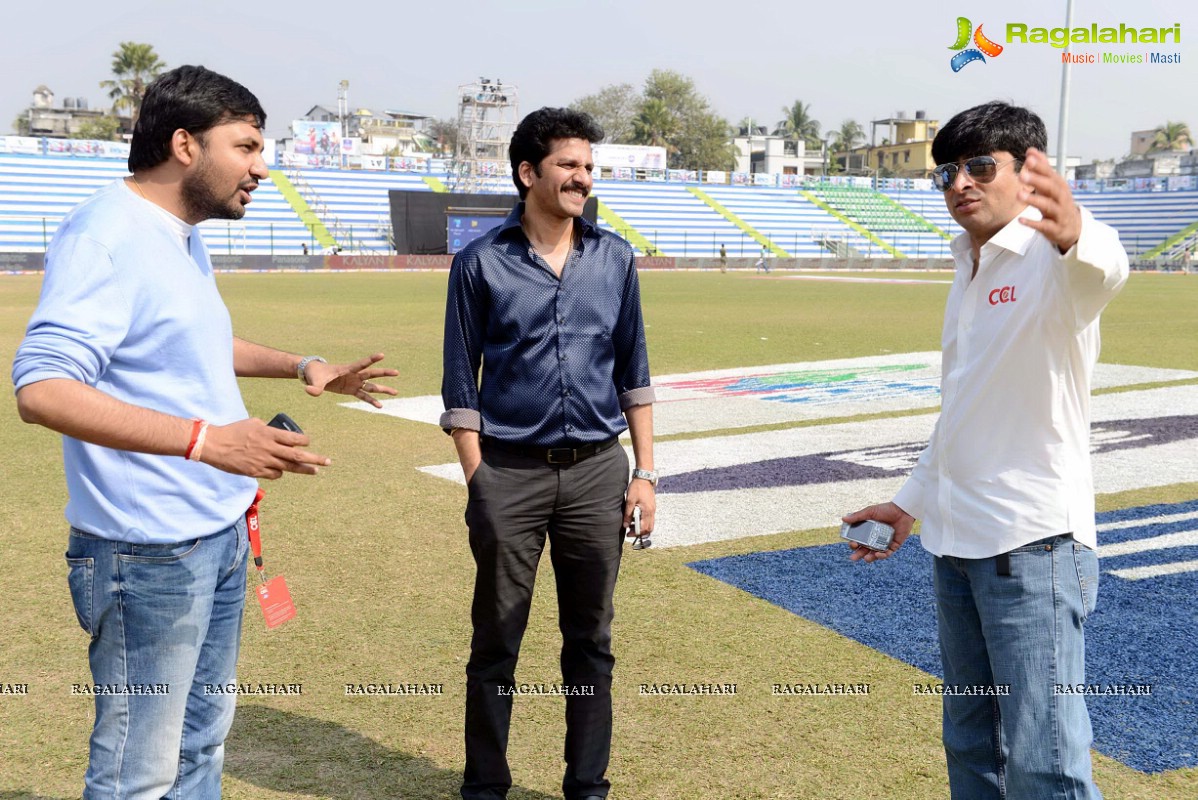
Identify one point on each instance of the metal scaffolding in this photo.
(488, 112)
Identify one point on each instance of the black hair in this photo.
(534, 137)
(988, 128)
(194, 99)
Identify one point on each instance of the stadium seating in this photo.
(675, 221)
(928, 204)
(791, 221)
(36, 192)
(1143, 219)
(354, 204)
(892, 222)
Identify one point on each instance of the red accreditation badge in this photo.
(275, 600)
(273, 595)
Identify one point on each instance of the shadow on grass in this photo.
(287, 752)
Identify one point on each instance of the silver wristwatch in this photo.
(303, 365)
(646, 475)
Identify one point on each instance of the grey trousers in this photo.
(515, 502)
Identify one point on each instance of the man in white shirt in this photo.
(1004, 487)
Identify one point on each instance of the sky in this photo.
(864, 61)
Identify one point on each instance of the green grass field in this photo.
(376, 556)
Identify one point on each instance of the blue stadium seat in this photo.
(36, 192)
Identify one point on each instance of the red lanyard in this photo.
(255, 531)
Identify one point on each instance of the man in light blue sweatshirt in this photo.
(130, 354)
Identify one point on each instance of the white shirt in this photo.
(1009, 459)
(181, 229)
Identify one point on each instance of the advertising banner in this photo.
(27, 145)
(633, 156)
(316, 138)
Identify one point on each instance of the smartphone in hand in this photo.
(284, 423)
(870, 533)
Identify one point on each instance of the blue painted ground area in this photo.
(1144, 631)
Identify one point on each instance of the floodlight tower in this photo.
(343, 107)
(488, 112)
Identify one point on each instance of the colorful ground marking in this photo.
(779, 393)
(729, 487)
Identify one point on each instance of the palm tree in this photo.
(1171, 136)
(654, 125)
(799, 124)
(134, 66)
(848, 136)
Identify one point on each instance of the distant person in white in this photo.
(1004, 487)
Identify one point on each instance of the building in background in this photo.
(65, 119)
(759, 151)
(378, 133)
(904, 151)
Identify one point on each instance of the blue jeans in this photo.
(165, 626)
(1022, 631)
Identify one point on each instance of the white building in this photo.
(757, 151)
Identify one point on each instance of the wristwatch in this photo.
(646, 475)
(303, 365)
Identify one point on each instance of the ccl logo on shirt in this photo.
(1003, 294)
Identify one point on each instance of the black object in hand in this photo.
(285, 423)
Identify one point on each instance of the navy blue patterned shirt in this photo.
(561, 358)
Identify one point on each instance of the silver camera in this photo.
(871, 533)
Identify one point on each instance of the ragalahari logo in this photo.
(984, 47)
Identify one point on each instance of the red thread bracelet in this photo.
(196, 425)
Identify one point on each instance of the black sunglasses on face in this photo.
(981, 169)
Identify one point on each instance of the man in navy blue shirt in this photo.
(549, 305)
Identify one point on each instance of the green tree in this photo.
(100, 128)
(445, 133)
(674, 111)
(676, 91)
(614, 107)
(748, 126)
(798, 124)
(134, 67)
(669, 112)
(20, 125)
(849, 135)
(1171, 136)
(705, 143)
(655, 125)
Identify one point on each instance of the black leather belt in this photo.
(554, 455)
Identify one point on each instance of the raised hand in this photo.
(356, 379)
(1045, 189)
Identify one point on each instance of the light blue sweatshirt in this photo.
(129, 305)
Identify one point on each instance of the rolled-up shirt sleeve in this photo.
(80, 320)
(465, 326)
(631, 370)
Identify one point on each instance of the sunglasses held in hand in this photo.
(981, 169)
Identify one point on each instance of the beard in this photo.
(200, 198)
